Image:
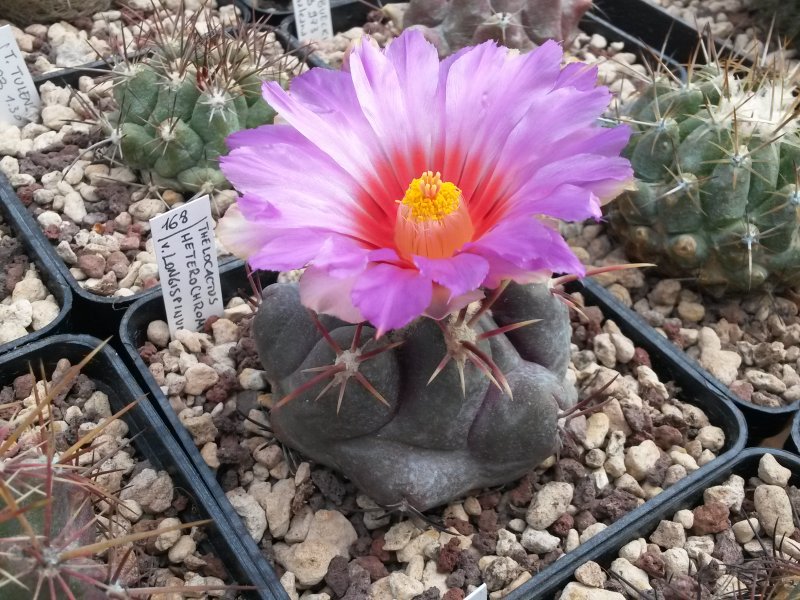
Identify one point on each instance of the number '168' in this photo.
(172, 222)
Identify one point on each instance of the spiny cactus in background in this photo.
(435, 409)
(521, 24)
(784, 14)
(51, 537)
(177, 106)
(716, 161)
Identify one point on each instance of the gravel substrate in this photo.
(94, 210)
(103, 35)
(148, 497)
(323, 536)
(26, 305)
(750, 344)
(712, 550)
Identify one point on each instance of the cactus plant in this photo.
(717, 194)
(51, 534)
(445, 396)
(177, 105)
(520, 24)
(437, 409)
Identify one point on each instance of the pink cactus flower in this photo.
(407, 185)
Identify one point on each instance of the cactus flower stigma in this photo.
(406, 186)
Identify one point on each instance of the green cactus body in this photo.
(177, 107)
(716, 163)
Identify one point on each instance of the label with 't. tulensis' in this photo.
(186, 252)
(19, 99)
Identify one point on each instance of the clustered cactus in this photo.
(52, 536)
(519, 24)
(717, 193)
(177, 106)
(436, 408)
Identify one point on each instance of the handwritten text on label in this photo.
(19, 100)
(187, 264)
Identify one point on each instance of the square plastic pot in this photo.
(38, 251)
(660, 508)
(762, 421)
(153, 441)
(91, 313)
(666, 361)
(132, 335)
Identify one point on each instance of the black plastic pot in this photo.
(132, 335)
(604, 551)
(93, 314)
(666, 362)
(38, 251)
(762, 421)
(153, 442)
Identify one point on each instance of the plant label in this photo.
(183, 239)
(19, 99)
(479, 594)
(313, 19)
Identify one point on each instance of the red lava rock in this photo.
(487, 521)
(338, 576)
(743, 389)
(118, 263)
(666, 436)
(562, 525)
(373, 566)
(148, 352)
(377, 550)
(657, 474)
(460, 525)
(130, 242)
(523, 493)
(485, 543)
(614, 505)
(488, 501)
(25, 193)
(448, 556)
(651, 563)
(453, 594)
(711, 517)
(673, 331)
(640, 358)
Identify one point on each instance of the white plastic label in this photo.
(19, 100)
(183, 239)
(313, 19)
(479, 594)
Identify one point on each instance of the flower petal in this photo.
(390, 296)
(328, 295)
(460, 274)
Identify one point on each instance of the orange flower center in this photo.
(432, 218)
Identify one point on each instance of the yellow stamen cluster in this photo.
(428, 198)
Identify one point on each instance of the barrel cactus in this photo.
(177, 105)
(435, 409)
(519, 24)
(717, 197)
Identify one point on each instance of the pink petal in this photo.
(390, 297)
(329, 295)
(460, 274)
(341, 257)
